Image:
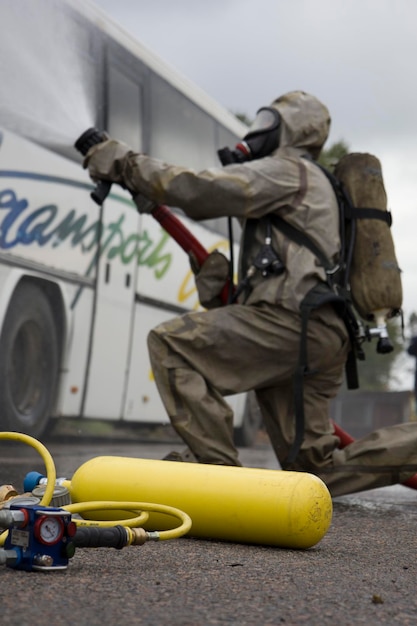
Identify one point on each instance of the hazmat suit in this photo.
(201, 357)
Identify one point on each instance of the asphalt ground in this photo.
(363, 571)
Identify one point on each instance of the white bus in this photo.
(82, 285)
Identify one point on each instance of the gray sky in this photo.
(357, 56)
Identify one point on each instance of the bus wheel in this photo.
(28, 362)
(245, 434)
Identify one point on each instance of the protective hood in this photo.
(305, 122)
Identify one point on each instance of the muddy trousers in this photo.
(200, 358)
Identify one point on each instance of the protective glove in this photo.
(105, 161)
(144, 204)
(210, 279)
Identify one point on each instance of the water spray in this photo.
(51, 66)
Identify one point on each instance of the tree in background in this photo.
(242, 117)
(330, 156)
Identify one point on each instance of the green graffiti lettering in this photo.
(115, 229)
(132, 241)
(155, 259)
(144, 244)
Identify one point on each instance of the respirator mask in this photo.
(260, 141)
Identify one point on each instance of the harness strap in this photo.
(301, 239)
(251, 225)
(372, 214)
(318, 296)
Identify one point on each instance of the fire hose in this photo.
(186, 240)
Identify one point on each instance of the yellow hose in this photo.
(139, 508)
(134, 521)
(46, 457)
(105, 505)
(49, 466)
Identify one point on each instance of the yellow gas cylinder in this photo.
(248, 505)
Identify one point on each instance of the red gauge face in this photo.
(49, 529)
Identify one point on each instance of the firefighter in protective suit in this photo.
(203, 356)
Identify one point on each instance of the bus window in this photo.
(180, 131)
(125, 109)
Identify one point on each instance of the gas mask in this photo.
(260, 141)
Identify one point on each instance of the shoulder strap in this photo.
(301, 239)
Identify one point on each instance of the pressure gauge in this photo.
(49, 529)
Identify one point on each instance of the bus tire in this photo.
(29, 361)
(245, 435)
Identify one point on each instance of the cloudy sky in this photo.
(357, 56)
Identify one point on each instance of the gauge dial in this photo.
(49, 529)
